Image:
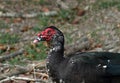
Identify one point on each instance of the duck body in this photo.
(81, 67)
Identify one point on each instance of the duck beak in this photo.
(38, 39)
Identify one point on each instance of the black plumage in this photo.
(81, 67)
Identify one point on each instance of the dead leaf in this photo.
(38, 50)
(81, 12)
(118, 25)
(6, 70)
(44, 76)
(45, 9)
(7, 30)
(3, 47)
(76, 21)
(7, 20)
(26, 53)
(33, 45)
(10, 48)
(17, 20)
(98, 45)
(47, 44)
(25, 28)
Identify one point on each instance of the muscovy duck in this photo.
(81, 67)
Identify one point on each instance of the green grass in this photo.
(40, 2)
(15, 60)
(36, 28)
(3, 25)
(63, 15)
(8, 2)
(44, 20)
(43, 2)
(1, 51)
(118, 7)
(6, 38)
(105, 4)
(68, 39)
(33, 54)
(66, 15)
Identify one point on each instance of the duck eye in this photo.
(49, 32)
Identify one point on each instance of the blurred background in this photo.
(88, 25)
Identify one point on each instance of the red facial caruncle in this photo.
(47, 34)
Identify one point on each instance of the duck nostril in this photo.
(39, 38)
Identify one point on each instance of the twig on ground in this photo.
(18, 70)
(12, 55)
(22, 78)
(13, 14)
(62, 4)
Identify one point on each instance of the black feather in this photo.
(81, 67)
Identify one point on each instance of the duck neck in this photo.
(56, 53)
